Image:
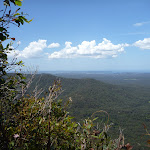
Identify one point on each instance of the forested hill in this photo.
(118, 78)
(128, 107)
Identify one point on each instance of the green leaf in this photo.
(95, 118)
(4, 56)
(30, 20)
(1, 29)
(17, 2)
(12, 143)
(23, 77)
(89, 126)
(95, 136)
(19, 74)
(21, 19)
(16, 14)
(1, 47)
(2, 37)
(40, 121)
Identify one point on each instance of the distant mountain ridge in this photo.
(118, 78)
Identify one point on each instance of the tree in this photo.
(8, 83)
(9, 16)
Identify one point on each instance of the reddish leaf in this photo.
(13, 39)
(148, 141)
(144, 126)
(128, 146)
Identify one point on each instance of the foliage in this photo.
(128, 107)
(10, 86)
(9, 16)
(44, 123)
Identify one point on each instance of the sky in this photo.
(84, 35)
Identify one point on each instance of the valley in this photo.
(127, 103)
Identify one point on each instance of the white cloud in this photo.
(90, 49)
(140, 23)
(33, 50)
(54, 45)
(143, 44)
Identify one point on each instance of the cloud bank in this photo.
(89, 49)
(35, 49)
(143, 44)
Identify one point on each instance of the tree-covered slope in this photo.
(128, 107)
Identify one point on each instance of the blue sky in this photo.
(80, 35)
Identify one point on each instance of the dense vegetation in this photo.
(128, 106)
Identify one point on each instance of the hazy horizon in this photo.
(95, 71)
